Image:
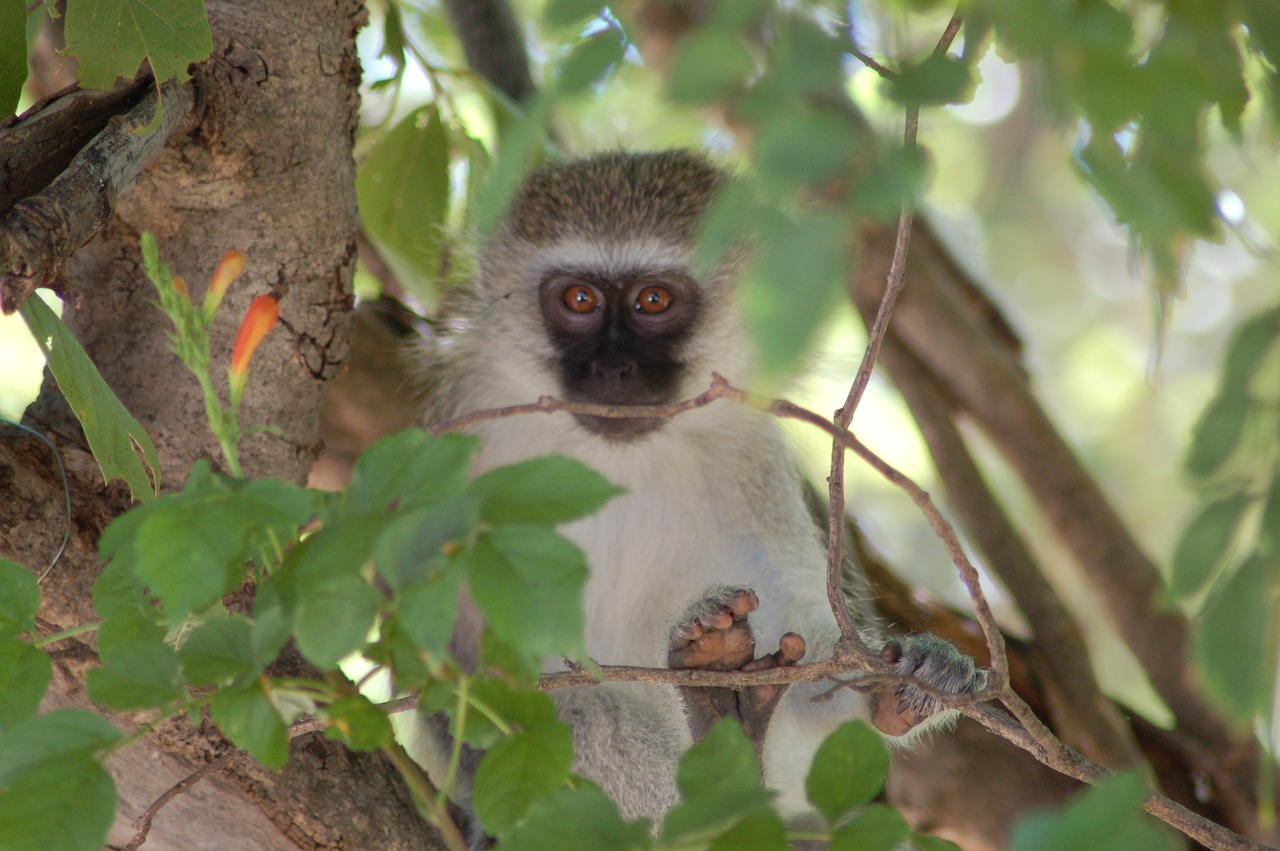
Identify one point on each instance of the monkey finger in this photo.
(685, 633)
(744, 602)
(790, 650)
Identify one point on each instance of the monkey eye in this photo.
(580, 298)
(653, 299)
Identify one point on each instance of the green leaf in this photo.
(519, 770)
(334, 619)
(520, 708)
(414, 544)
(807, 60)
(139, 670)
(848, 770)
(924, 842)
(581, 817)
(898, 176)
(528, 582)
(19, 599)
(52, 737)
(249, 719)
(114, 436)
(810, 148)
(1216, 435)
(323, 591)
(548, 490)
(13, 55)
(402, 188)
(939, 79)
(591, 62)
(1250, 342)
(1107, 817)
(565, 13)
(876, 828)
(1269, 532)
(1206, 543)
(719, 783)
(66, 803)
(762, 831)
(794, 286)
(25, 673)
(709, 65)
(359, 724)
(411, 466)
(112, 37)
(191, 548)
(1236, 638)
(219, 651)
(427, 610)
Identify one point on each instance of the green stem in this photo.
(459, 725)
(425, 796)
(493, 716)
(66, 633)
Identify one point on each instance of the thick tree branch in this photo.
(37, 145)
(41, 231)
(493, 44)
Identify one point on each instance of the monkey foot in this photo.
(896, 710)
(714, 634)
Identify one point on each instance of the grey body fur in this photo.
(713, 497)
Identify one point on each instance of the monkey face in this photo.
(618, 341)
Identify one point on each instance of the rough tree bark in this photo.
(264, 166)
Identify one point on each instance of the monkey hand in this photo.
(714, 634)
(896, 710)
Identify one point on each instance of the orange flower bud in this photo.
(261, 317)
(180, 286)
(229, 268)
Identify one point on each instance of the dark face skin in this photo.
(619, 341)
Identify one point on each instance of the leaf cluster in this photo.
(1227, 560)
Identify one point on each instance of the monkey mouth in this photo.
(620, 429)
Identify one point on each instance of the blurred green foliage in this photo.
(1151, 104)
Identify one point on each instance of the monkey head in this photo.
(594, 270)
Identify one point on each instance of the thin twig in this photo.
(143, 822)
(875, 338)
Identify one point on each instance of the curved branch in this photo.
(41, 231)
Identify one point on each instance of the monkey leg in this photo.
(896, 710)
(714, 634)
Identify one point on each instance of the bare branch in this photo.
(41, 231)
(143, 823)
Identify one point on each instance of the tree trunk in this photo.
(266, 169)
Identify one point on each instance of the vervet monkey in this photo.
(590, 290)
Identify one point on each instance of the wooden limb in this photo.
(37, 145)
(493, 44)
(42, 230)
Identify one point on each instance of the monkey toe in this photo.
(713, 634)
(791, 649)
